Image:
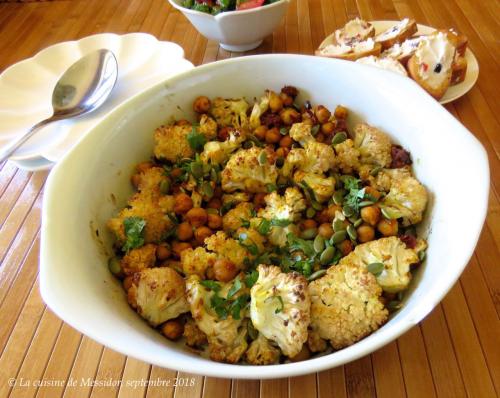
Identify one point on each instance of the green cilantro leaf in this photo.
(245, 223)
(251, 278)
(212, 285)
(282, 305)
(196, 140)
(276, 222)
(234, 289)
(134, 232)
(264, 227)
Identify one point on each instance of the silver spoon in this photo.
(81, 89)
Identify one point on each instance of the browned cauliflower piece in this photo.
(235, 198)
(244, 172)
(228, 248)
(347, 156)
(230, 112)
(374, 146)
(345, 305)
(138, 259)
(393, 253)
(286, 207)
(208, 127)
(171, 142)
(322, 187)
(315, 342)
(262, 352)
(197, 261)
(315, 157)
(158, 294)
(279, 308)
(236, 217)
(386, 178)
(193, 335)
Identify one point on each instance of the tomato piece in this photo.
(247, 5)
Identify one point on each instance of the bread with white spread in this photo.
(354, 31)
(397, 34)
(386, 63)
(351, 52)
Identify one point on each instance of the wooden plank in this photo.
(134, 379)
(302, 386)
(161, 383)
(245, 389)
(359, 378)
(188, 385)
(277, 388)
(109, 374)
(387, 372)
(215, 387)
(332, 383)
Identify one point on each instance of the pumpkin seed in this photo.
(309, 233)
(115, 266)
(421, 255)
(375, 268)
(339, 138)
(375, 171)
(206, 189)
(357, 223)
(338, 237)
(338, 197)
(262, 158)
(214, 176)
(165, 187)
(338, 225)
(327, 255)
(280, 162)
(348, 211)
(315, 275)
(206, 168)
(319, 244)
(310, 212)
(316, 205)
(365, 203)
(390, 214)
(196, 169)
(351, 231)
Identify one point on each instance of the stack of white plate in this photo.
(26, 90)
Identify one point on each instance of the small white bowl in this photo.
(92, 181)
(236, 30)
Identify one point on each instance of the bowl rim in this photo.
(210, 368)
(225, 14)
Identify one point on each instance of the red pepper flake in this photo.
(425, 67)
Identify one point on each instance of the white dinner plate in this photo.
(26, 89)
(453, 92)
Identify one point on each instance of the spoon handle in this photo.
(12, 146)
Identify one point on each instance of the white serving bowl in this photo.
(236, 30)
(92, 181)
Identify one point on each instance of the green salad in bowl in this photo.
(216, 6)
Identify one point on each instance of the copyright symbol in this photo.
(12, 382)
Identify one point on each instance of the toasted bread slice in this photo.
(386, 63)
(460, 41)
(403, 51)
(352, 52)
(354, 31)
(458, 70)
(397, 33)
(430, 66)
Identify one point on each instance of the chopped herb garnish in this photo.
(234, 289)
(196, 140)
(134, 232)
(271, 187)
(251, 278)
(212, 285)
(303, 245)
(283, 131)
(248, 244)
(315, 129)
(264, 227)
(245, 223)
(226, 207)
(276, 222)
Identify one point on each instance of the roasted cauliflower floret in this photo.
(171, 142)
(386, 178)
(322, 187)
(345, 305)
(235, 198)
(286, 207)
(138, 259)
(197, 261)
(244, 172)
(347, 156)
(407, 199)
(258, 110)
(253, 237)
(278, 235)
(228, 248)
(391, 252)
(262, 352)
(374, 146)
(226, 337)
(279, 308)
(208, 127)
(158, 294)
(217, 152)
(150, 180)
(193, 335)
(315, 157)
(301, 132)
(236, 217)
(230, 112)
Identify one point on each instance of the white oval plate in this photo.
(26, 88)
(453, 92)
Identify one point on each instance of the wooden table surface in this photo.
(454, 352)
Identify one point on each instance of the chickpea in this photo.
(178, 247)
(172, 329)
(320, 137)
(286, 99)
(223, 133)
(183, 122)
(370, 215)
(184, 231)
(328, 128)
(224, 270)
(326, 230)
(365, 233)
(388, 227)
(289, 116)
(286, 141)
(260, 132)
(307, 120)
(163, 251)
(128, 282)
(210, 273)
(214, 203)
(214, 221)
(345, 247)
(373, 192)
(308, 224)
(197, 217)
(183, 203)
(322, 114)
(142, 167)
(282, 152)
(201, 104)
(273, 136)
(327, 215)
(135, 180)
(201, 233)
(340, 112)
(303, 355)
(275, 103)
